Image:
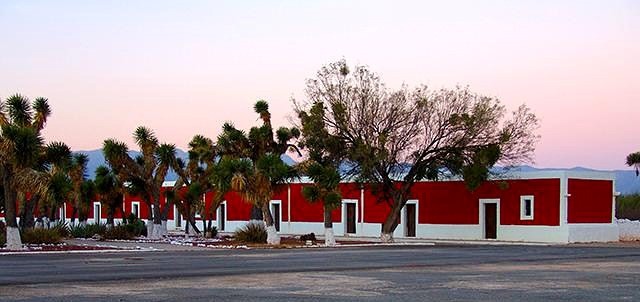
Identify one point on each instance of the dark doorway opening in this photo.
(275, 212)
(351, 218)
(490, 221)
(410, 218)
(222, 217)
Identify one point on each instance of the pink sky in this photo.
(180, 69)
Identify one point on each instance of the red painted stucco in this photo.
(590, 201)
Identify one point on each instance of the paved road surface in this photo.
(412, 273)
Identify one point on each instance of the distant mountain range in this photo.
(96, 158)
(626, 180)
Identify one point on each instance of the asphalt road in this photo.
(412, 273)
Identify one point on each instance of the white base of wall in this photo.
(628, 230)
(593, 232)
(583, 232)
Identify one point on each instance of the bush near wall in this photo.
(87, 231)
(252, 233)
(41, 236)
(628, 207)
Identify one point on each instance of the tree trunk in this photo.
(27, 220)
(329, 239)
(272, 235)
(192, 228)
(10, 196)
(74, 211)
(391, 222)
(256, 214)
(110, 214)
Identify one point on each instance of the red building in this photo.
(549, 206)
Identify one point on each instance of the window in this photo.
(526, 207)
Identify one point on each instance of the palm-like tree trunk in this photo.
(329, 238)
(272, 233)
(10, 196)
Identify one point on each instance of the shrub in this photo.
(310, 236)
(119, 232)
(41, 236)
(212, 232)
(628, 207)
(252, 233)
(62, 228)
(134, 226)
(87, 230)
(3, 233)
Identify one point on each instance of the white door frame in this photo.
(344, 216)
(97, 217)
(218, 215)
(482, 202)
(279, 203)
(137, 204)
(403, 217)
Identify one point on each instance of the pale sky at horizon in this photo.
(186, 67)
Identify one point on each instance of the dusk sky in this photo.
(185, 67)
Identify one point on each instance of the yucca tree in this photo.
(633, 160)
(21, 149)
(146, 171)
(77, 175)
(57, 162)
(325, 154)
(109, 189)
(251, 163)
(195, 180)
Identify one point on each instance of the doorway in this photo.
(222, 216)
(276, 214)
(490, 221)
(350, 227)
(410, 220)
(97, 212)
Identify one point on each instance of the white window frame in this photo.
(97, 217)
(523, 199)
(136, 204)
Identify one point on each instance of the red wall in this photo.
(450, 202)
(590, 201)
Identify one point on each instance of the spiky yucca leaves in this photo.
(633, 160)
(21, 154)
(195, 179)
(77, 174)
(147, 171)
(110, 190)
(251, 163)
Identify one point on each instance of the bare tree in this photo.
(395, 138)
